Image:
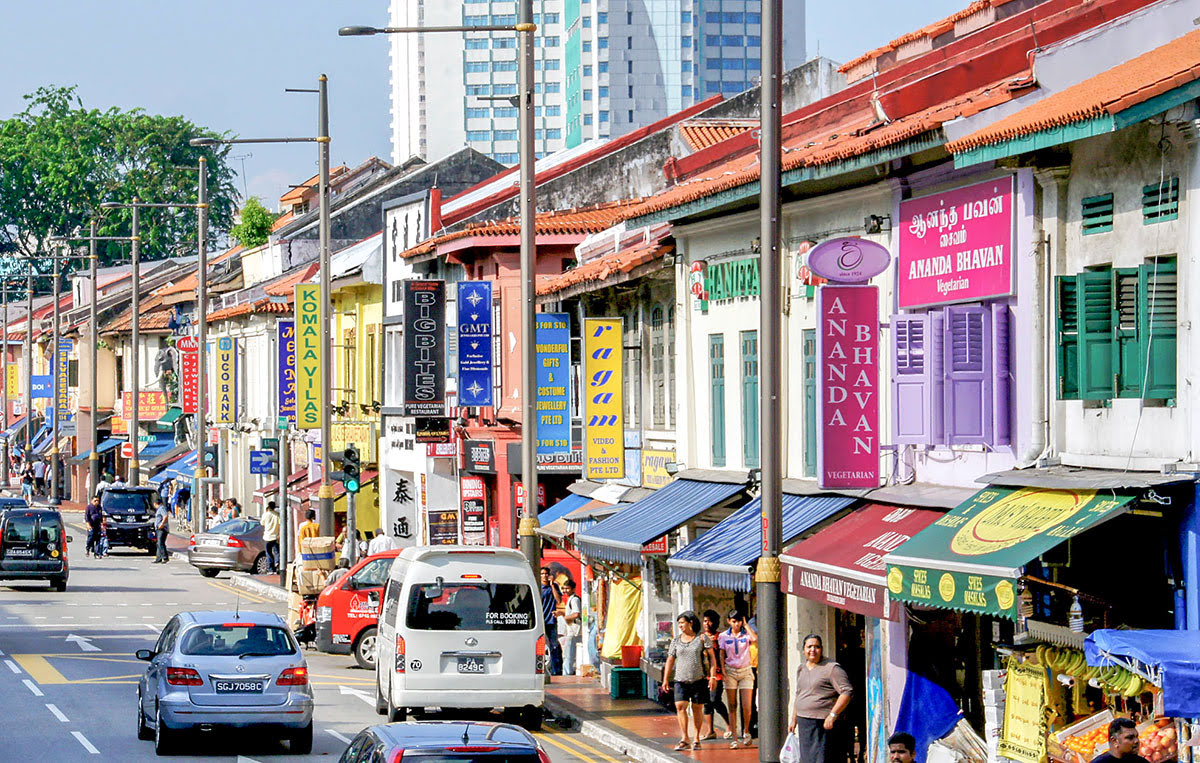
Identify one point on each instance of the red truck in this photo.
(348, 609)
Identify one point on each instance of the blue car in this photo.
(212, 670)
(445, 742)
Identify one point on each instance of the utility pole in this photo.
(93, 376)
(135, 355)
(29, 365)
(4, 463)
(55, 487)
(771, 627)
(285, 514)
(325, 513)
(199, 505)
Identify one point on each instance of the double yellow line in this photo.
(570, 743)
(252, 597)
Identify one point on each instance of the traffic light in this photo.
(209, 459)
(351, 469)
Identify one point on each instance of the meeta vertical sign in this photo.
(309, 351)
(287, 369)
(604, 435)
(226, 402)
(552, 405)
(425, 348)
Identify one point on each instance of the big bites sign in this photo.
(848, 392)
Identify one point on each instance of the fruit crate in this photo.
(1102, 718)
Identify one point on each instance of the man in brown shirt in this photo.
(822, 692)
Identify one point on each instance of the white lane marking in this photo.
(97, 617)
(57, 713)
(83, 642)
(146, 603)
(357, 693)
(123, 604)
(91, 748)
(122, 617)
(153, 627)
(33, 688)
(12, 666)
(68, 617)
(1, 652)
(338, 736)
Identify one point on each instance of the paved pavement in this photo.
(68, 675)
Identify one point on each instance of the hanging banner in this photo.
(189, 373)
(398, 503)
(225, 404)
(287, 369)
(474, 510)
(152, 405)
(552, 404)
(14, 380)
(604, 436)
(43, 386)
(62, 366)
(424, 348)
(848, 387)
(309, 350)
(475, 378)
(1023, 735)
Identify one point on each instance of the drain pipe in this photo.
(1051, 185)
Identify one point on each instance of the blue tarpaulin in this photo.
(156, 447)
(1168, 659)
(721, 557)
(41, 440)
(927, 711)
(562, 508)
(11, 433)
(183, 468)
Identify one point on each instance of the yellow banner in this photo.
(14, 380)
(225, 399)
(309, 349)
(604, 431)
(654, 468)
(1023, 736)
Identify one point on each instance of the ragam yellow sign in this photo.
(603, 412)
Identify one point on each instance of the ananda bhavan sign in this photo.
(848, 386)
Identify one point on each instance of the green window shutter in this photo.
(716, 370)
(1068, 337)
(1129, 351)
(750, 454)
(1158, 318)
(809, 345)
(1160, 202)
(1097, 215)
(1095, 335)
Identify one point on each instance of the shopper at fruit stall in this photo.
(1122, 743)
(822, 692)
(902, 748)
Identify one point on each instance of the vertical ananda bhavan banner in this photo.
(848, 386)
(309, 349)
(603, 410)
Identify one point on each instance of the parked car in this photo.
(33, 545)
(348, 609)
(461, 627)
(130, 512)
(8, 502)
(235, 544)
(213, 670)
(445, 742)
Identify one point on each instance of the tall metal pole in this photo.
(29, 365)
(55, 487)
(772, 672)
(4, 440)
(529, 478)
(135, 355)
(325, 512)
(199, 504)
(285, 514)
(93, 375)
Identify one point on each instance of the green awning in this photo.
(970, 559)
(170, 417)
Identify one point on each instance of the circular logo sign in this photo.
(1004, 594)
(946, 586)
(188, 344)
(1017, 518)
(849, 260)
(895, 580)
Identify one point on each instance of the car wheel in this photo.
(301, 740)
(364, 648)
(209, 572)
(59, 584)
(396, 714)
(530, 718)
(164, 738)
(381, 707)
(262, 566)
(143, 731)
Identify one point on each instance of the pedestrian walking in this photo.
(118, 481)
(93, 516)
(27, 483)
(550, 599)
(715, 705)
(380, 543)
(39, 477)
(162, 523)
(822, 692)
(733, 647)
(685, 672)
(270, 523)
(572, 626)
(104, 484)
(101, 549)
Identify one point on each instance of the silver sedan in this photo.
(235, 544)
(212, 670)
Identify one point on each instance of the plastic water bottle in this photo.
(1075, 618)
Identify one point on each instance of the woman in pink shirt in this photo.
(734, 645)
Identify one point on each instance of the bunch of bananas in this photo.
(1072, 662)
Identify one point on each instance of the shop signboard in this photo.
(475, 378)
(309, 351)
(360, 434)
(14, 379)
(848, 260)
(569, 462)
(848, 387)
(603, 410)
(956, 246)
(400, 509)
(442, 527)
(553, 400)
(731, 279)
(424, 348)
(62, 365)
(1023, 735)
(43, 386)
(473, 493)
(287, 369)
(152, 404)
(189, 373)
(519, 495)
(480, 456)
(696, 285)
(432, 429)
(654, 468)
(225, 402)
(656, 546)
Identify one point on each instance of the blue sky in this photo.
(225, 64)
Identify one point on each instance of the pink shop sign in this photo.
(848, 389)
(956, 246)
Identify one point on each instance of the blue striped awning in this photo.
(184, 468)
(156, 447)
(562, 508)
(721, 557)
(620, 537)
(41, 441)
(12, 431)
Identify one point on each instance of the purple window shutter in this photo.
(1003, 389)
(937, 373)
(911, 378)
(969, 378)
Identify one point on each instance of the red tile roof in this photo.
(153, 316)
(297, 193)
(232, 311)
(604, 267)
(702, 133)
(190, 282)
(285, 286)
(1153, 73)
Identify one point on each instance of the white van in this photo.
(461, 627)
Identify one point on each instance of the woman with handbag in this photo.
(822, 692)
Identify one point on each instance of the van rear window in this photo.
(471, 607)
(20, 528)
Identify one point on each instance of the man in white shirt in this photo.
(380, 543)
(572, 618)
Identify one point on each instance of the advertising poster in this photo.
(309, 350)
(654, 468)
(956, 246)
(152, 404)
(1023, 736)
(287, 369)
(603, 411)
(475, 343)
(553, 401)
(848, 387)
(424, 348)
(62, 365)
(474, 511)
(442, 526)
(189, 373)
(225, 399)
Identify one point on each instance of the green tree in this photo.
(59, 161)
(255, 226)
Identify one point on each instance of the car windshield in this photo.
(19, 528)
(114, 501)
(471, 607)
(237, 640)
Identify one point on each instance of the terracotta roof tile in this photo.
(602, 268)
(702, 133)
(1110, 92)
(153, 317)
(232, 311)
(190, 282)
(929, 30)
(285, 286)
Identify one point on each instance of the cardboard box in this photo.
(317, 553)
(310, 582)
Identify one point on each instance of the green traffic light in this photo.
(352, 486)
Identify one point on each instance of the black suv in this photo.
(33, 546)
(130, 512)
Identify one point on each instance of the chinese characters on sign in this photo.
(553, 399)
(475, 343)
(604, 436)
(152, 404)
(424, 348)
(309, 350)
(225, 405)
(848, 387)
(287, 369)
(189, 373)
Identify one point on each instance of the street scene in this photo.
(601, 380)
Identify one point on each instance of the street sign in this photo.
(282, 422)
(214, 436)
(262, 461)
(270, 442)
(127, 450)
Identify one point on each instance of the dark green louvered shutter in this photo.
(1095, 335)
(1068, 337)
(1158, 314)
(1129, 350)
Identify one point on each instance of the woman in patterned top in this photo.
(686, 664)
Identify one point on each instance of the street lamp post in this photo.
(4, 440)
(55, 461)
(525, 28)
(199, 506)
